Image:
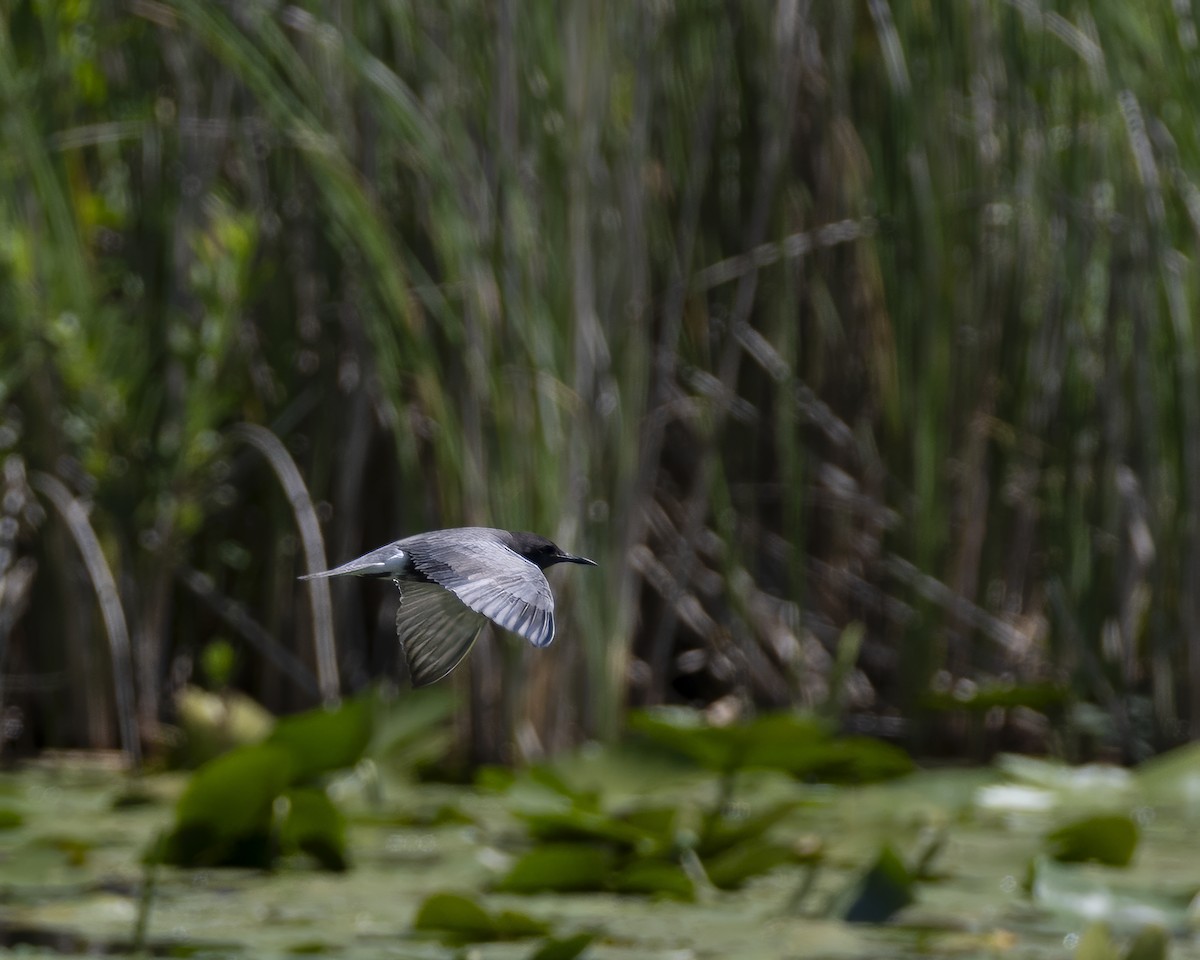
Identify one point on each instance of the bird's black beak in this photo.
(567, 558)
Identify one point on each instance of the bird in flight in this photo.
(452, 582)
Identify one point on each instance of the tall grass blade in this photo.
(76, 518)
(309, 528)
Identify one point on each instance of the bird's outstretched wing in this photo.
(492, 580)
(436, 630)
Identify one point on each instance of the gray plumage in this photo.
(453, 581)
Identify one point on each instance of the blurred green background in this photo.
(856, 341)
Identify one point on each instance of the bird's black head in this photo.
(537, 549)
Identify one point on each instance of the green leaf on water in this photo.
(1150, 943)
(1172, 777)
(553, 781)
(721, 833)
(563, 948)
(225, 815)
(313, 825)
(1096, 943)
(311, 948)
(457, 916)
(569, 826)
(494, 779)
(794, 743)
(321, 741)
(513, 925)
(236, 790)
(1072, 892)
(656, 823)
(1106, 838)
(456, 919)
(659, 878)
(776, 741)
(408, 729)
(853, 760)
(561, 868)
(730, 869)
(642, 830)
(879, 892)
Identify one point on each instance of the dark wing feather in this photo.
(436, 630)
(490, 579)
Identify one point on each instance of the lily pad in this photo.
(1107, 838)
(1089, 893)
(853, 760)
(456, 919)
(794, 743)
(1089, 780)
(732, 868)
(722, 833)
(1172, 777)
(1150, 943)
(777, 741)
(561, 868)
(647, 831)
(651, 821)
(224, 816)
(581, 825)
(313, 825)
(563, 948)
(321, 741)
(410, 730)
(880, 891)
(657, 878)
(1096, 943)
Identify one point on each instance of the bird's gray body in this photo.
(453, 581)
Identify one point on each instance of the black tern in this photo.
(451, 582)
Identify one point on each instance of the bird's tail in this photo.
(385, 562)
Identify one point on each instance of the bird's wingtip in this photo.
(544, 636)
